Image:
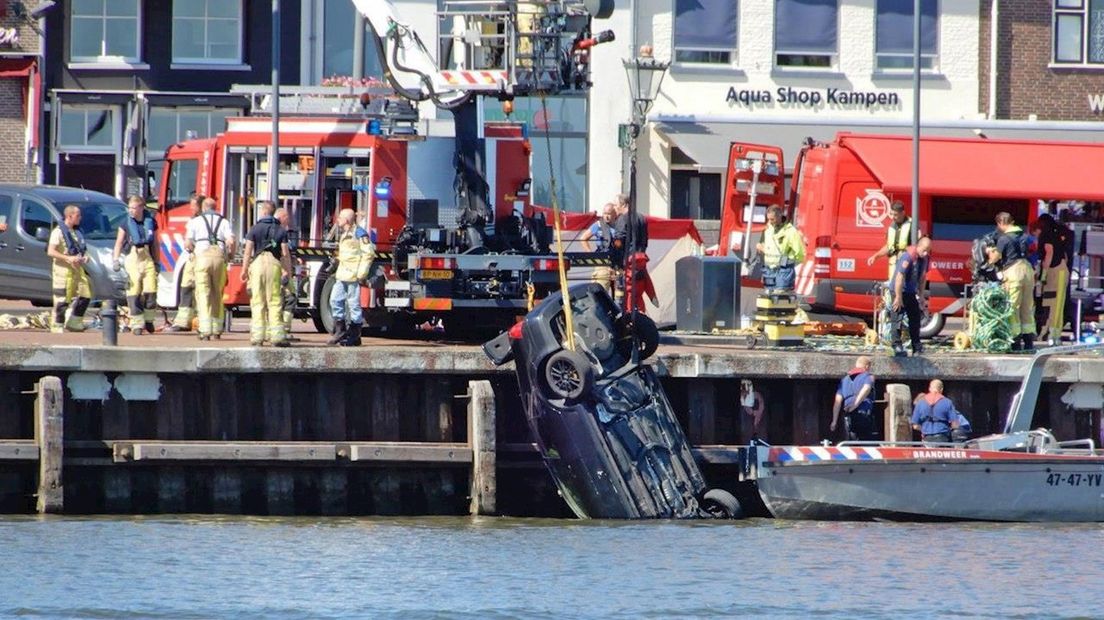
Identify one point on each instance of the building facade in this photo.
(127, 78)
(20, 94)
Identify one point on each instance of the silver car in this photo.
(27, 215)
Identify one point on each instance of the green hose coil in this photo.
(992, 323)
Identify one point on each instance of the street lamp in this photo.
(645, 75)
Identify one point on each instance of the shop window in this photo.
(1079, 32)
(893, 49)
(88, 128)
(207, 31)
(695, 195)
(338, 28)
(805, 33)
(705, 31)
(105, 30)
(167, 126)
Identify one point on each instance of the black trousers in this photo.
(910, 307)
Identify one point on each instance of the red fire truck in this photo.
(841, 191)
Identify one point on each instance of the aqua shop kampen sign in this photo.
(806, 97)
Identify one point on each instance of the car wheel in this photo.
(931, 325)
(568, 374)
(647, 335)
(721, 504)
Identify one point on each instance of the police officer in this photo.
(355, 253)
(289, 300)
(137, 239)
(909, 279)
(69, 280)
(266, 267)
(210, 239)
(782, 248)
(934, 415)
(1009, 255)
(855, 396)
(897, 237)
(186, 308)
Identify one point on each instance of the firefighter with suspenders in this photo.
(210, 239)
(138, 236)
(266, 266)
(897, 237)
(70, 282)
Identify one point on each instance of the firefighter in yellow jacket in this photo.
(266, 266)
(185, 309)
(137, 236)
(69, 280)
(1009, 254)
(355, 254)
(897, 237)
(210, 240)
(783, 249)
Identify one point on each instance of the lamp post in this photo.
(645, 74)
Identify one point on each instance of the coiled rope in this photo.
(992, 312)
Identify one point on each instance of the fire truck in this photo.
(457, 238)
(841, 192)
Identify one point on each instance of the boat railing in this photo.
(1039, 441)
(901, 444)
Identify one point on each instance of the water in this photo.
(220, 567)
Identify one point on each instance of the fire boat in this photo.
(1020, 474)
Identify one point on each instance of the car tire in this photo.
(647, 335)
(721, 504)
(931, 325)
(568, 375)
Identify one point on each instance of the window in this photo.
(695, 195)
(894, 34)
(966, 219)
(1079, 32)
(182, 180)
(167, 126)
(34, 217)
(89, 128)
(104, 30)
(5, 212)
(805, 33)
(207, 31)
(705, 31)
(100, 221)
(338, 27)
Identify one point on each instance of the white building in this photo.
(770, 72)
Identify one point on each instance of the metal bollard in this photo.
(109, 323)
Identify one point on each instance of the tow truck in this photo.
(458, 239)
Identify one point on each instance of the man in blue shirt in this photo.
(908, 282)
(855, 396)
(934, 415)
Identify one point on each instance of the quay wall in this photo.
(414, 402)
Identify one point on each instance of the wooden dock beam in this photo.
(481, 424)
(49, 435)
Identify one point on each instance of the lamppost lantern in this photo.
(645, 75)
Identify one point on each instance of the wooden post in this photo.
(703, 410)
(49, 435)
(481, 422)
(898, 398)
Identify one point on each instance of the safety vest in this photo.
(74, 241)
(897, 238)
(782, 246)
(140, 234)
(354, 255)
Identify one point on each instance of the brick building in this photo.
(1050, 60)
(20, 94)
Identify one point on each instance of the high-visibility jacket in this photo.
(782, 246)
(354, 255)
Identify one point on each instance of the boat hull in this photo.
(939, 484)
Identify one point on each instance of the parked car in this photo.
(28, 213)
(602, 422)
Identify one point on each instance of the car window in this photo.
(100, 220)
(6, 203)
(33, 216)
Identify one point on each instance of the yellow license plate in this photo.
(436, 274)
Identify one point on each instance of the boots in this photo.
(76, 317)
(1028, 342)
(1017, 343)
(339, 332)
(353, 337)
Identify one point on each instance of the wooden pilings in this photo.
(49, 435)
(481, 418)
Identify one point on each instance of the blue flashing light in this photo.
(1090, 339)
(374, 127)
(383, 188)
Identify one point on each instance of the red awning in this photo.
(984, 168)
(16, 67)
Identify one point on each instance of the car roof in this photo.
(59, 193)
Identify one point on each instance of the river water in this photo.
(222, 567)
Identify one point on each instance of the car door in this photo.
(29, 264)
(7, 244)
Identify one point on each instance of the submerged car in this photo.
(602, 422)
(27, 215)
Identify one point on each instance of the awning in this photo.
(984, 167)
(16, 67)
(698, 143)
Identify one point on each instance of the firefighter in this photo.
(908, 282)
(289, 299)
(137, 240)
(897, 237)
(1009, 255)
(186, 309)
(782, 248)
(210, 240)
(1053, 277)
(355, 253)
(266, 267)
(70, 282)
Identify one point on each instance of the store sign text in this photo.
(789, 96)
(9, 37)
